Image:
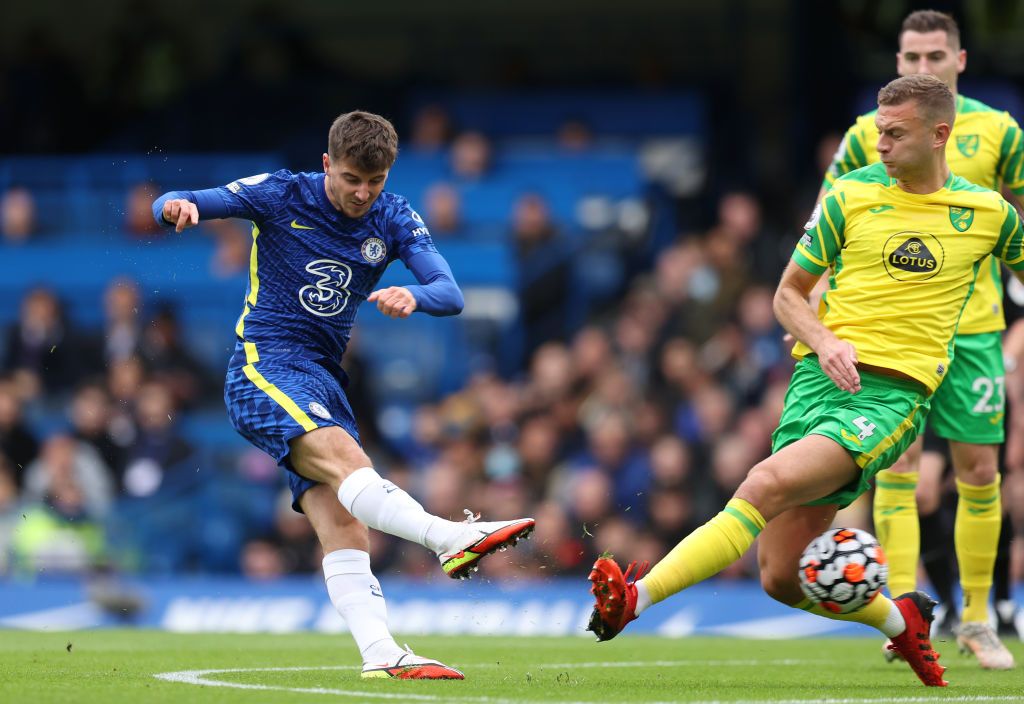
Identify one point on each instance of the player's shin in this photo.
(897, 527)
(386, 507)
(357, 596)
(706, 551)
(880, 613)
(976, 536)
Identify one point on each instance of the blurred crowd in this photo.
(621, 428)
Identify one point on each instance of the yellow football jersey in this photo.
(986, 148)
(904, 265)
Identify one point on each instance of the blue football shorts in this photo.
(274, 400)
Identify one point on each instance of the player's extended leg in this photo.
(356, 593)
(976, 536)
(896, 522)
(905, 620)
(809, 468)
(331, 456)
(1002, 587)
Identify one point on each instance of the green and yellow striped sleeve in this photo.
(823, 236)
(1011, 158)
(1010, 247)
(849, 156)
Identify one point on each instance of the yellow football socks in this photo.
(897, 528)
(706, 551)
(879, 613)
(976, 535)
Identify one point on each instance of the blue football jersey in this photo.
(311, 266)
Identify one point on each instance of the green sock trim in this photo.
(894, 485)
(747, 523)
(972, 500)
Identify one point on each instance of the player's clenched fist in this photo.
(394, 301)
(181, 213)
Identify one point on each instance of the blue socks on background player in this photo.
(383, 506)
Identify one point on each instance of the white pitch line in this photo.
(199, 677)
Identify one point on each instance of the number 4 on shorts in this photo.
(866, 428)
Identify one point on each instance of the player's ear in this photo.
(942, 132)
(327, 163)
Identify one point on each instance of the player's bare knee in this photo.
(979, 473)
(977, 465)
(762, 489)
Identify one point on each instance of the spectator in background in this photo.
(17, 216)
(431, 131)
(443, 208)
(538, 448)
(233, 246)
(9, 510)
(574, 135)
(122, 334)
(544, 272)
(471, 156)
(764, 252)
(296, 542)
(59, 531)
(17, 443)
(168, 361)
(138, 211)
(124, 379)
(67, 464)
(91, 420)
(610, 451)
(41, 350)
(261, 560)
(159, 459)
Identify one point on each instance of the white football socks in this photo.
(356, 594)
(894, 624)
(386, 507)
(643, 597)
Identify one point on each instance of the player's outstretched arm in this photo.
(437, 293)
(838, 359)
(182, 208)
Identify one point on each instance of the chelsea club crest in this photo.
(374, 250)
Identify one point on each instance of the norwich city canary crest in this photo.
(961, 217)
(967, 144)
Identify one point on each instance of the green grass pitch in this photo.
(114, 666)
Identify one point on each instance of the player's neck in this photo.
(926, 182)
(327, 192)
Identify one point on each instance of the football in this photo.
(843, 569)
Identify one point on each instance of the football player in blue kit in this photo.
(321, 242)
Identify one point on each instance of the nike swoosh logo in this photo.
(881, 209)
(297, 226)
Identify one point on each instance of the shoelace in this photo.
(640, 570)
(470, 516)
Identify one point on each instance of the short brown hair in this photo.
(932, 21)
(369, 141)
(933, 97)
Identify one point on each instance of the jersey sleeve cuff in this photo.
(808, 263)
